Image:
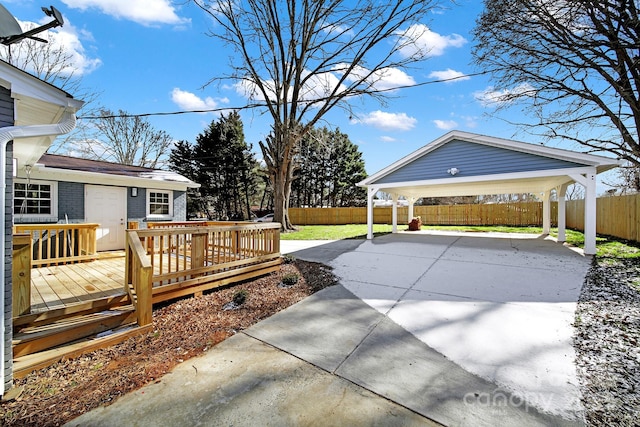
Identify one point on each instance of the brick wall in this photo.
(70, 201)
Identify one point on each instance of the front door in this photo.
(107, 206)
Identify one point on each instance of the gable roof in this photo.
(483, 165)
(73, 169)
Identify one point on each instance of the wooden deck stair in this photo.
(38, 346)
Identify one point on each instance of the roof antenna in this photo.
(10, 31)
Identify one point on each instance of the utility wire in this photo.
(251, 106)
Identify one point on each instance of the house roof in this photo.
(462, 163)
(73, 169)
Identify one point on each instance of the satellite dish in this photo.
(11, 32)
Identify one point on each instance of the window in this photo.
(159, 204)
(34, 199)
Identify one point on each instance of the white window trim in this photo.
(148, 203)
(18, 217)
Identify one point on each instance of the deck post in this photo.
(21, 271)
(198, 246)
(144, 292)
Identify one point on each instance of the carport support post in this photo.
(546, 212)
(371, 192)
(588, 181)
(590, 215)
(412, 200)
(561, 191)
(394, 213)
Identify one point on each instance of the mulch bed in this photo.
(607, 340)
(182, 329)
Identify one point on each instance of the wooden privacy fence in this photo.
(169, 262)
(512, 214)
(53, 244)
(617, 216)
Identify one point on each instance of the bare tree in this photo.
(298, 59)
(574, 64)
(130, 140)
(54, 63)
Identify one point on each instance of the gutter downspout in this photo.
(66, 125)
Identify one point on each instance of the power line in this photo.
(257, 105)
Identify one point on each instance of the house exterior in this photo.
(32, 114)
(64, 189)
(467, 164)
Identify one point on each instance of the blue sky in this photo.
(147, 56)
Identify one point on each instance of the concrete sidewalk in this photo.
(362, 353)
(329, 360)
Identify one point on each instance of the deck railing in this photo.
(60, 243)
(138, 273)
(189, 260)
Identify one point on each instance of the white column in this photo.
(371, 192)
(546, 212)
(562, 212)
(412, 200)
(590, 215)
(394, 213)
(588, 181)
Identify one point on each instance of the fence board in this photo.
(514, 214)
(617, 216)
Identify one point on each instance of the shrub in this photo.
(240, 297)
(290, 279)
(288, 258)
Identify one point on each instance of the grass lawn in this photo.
(607, 247)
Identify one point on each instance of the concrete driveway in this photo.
(499, 305)
(423, 329)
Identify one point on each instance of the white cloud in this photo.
(449, 75)
(419, 40)
(191, 102)
(445, 124)
(490, 97)
(385, 138)
(388, 121)
(145, 12)
(382, 79)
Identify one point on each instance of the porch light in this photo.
(134, 191)
(453, 171)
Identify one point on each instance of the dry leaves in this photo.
(182, 329)
(606, 342)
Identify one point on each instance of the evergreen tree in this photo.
(221, 161)
(182, 161)
(329, 167)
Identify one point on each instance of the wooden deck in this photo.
(62, 307)
(59, 286)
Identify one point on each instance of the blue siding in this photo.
(70, 201)
(472, 159)
(137, 207)
(8, 274)
(6, 119)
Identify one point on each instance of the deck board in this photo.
(62, 285)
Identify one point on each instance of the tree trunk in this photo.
(281, 192)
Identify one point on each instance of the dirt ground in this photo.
(182, 329)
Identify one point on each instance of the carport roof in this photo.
(466, 164)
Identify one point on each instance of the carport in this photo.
(467, 164)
